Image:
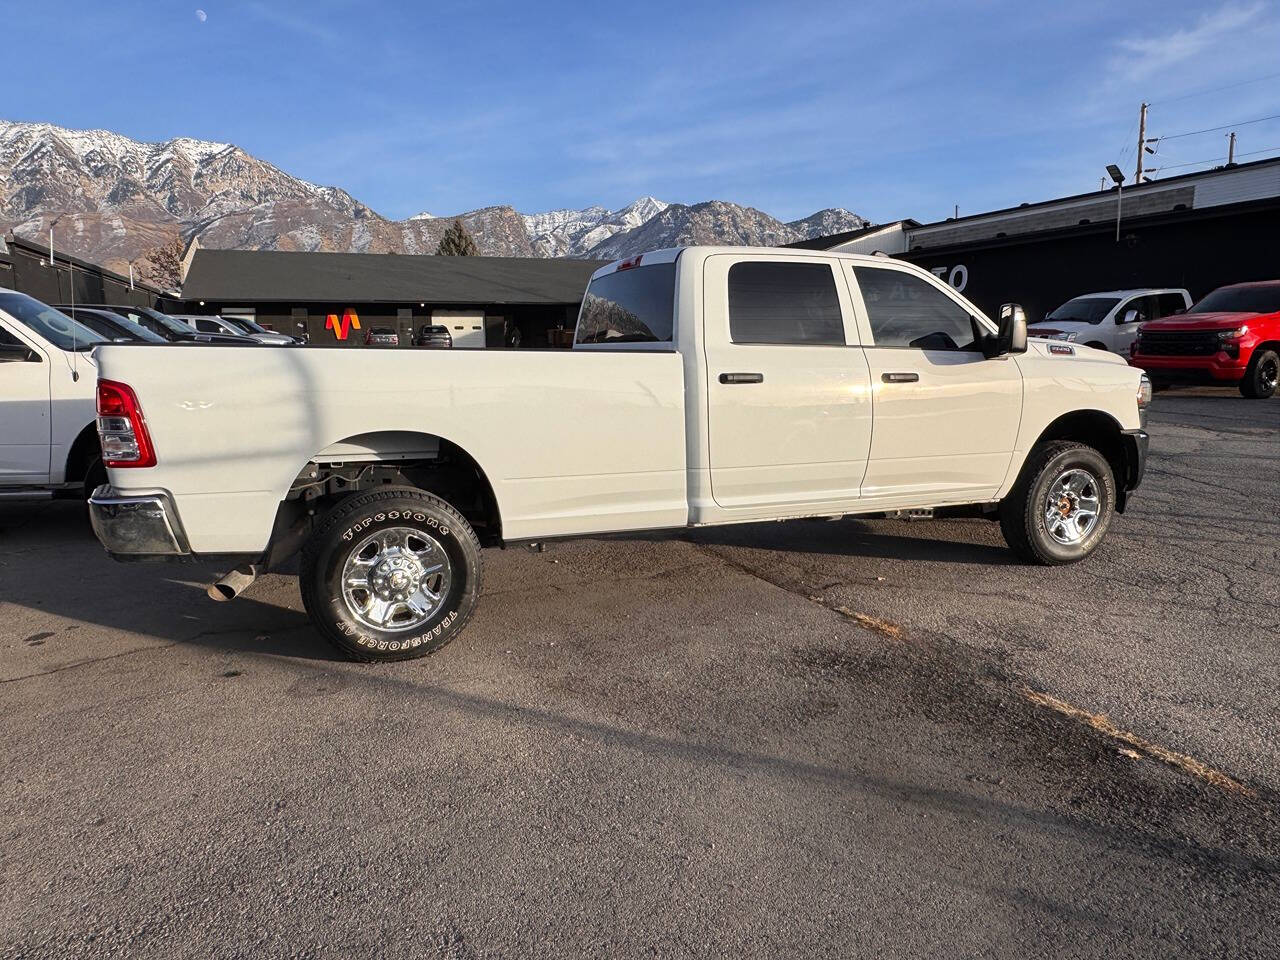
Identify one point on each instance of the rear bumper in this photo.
(134, 527)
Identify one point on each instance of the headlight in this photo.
(1063, 336)
(1144, 392)
(1233, 334)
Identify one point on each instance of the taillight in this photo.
(122, 429)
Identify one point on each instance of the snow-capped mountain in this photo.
(110, 199)
(575, 233)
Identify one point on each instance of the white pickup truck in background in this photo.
(1110, 321)
(706, 386)
(48, 444)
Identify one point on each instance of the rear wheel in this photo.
(1061, 506)
(1261, 377)
(391, 574)
(1097, 345)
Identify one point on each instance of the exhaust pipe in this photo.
(233, 584)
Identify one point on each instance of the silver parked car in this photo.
(232, 327)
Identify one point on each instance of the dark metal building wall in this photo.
(1199, 252)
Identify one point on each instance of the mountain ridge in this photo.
(110, 199)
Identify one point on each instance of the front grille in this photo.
(1179, 343)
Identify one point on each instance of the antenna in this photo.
(75, 354)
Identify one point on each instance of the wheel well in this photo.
(426, 461)
(1267, 345)
(1098, 430)
(1096, 344)
(84, 450)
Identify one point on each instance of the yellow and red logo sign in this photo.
(342, 327)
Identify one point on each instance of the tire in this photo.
(406, 546)
(1097, 346)
(1024, 513)
(1259, 381)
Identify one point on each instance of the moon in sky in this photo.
(201, 16)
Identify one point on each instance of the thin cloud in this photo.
(1148, 55)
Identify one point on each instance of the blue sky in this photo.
(888, 109)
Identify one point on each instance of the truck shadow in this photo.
(881, 539)
(41, 542)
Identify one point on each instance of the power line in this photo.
(1229, 126)
(1196, 163)
(1228, 86)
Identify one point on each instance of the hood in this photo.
(1200, 321)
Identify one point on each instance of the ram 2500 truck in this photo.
(706, 386)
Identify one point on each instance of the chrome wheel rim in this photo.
(1072, 506)
(396, 579)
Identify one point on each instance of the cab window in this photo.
(907, 311)
(778, 302)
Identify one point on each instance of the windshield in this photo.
(245, 324)
(163, 320)
(137, 330)
(634, 305)
(1260, 299)
(55, 326)
(1084, 310)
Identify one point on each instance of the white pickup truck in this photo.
(48, 444)
(706, 386)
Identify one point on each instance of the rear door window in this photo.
(786, 303)
(1169, 304)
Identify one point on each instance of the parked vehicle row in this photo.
(1232, 336)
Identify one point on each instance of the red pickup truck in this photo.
(1231, 336)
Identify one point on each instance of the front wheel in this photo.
(392, 574)
(1061, 506)
(1261, 377)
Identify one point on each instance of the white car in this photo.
(707, 385)
(48, 443)
(206, 324)
(1110, 321)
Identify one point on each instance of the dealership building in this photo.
(338, 298)
(1198, 231)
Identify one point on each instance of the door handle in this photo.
(742, 378)
(900, 377)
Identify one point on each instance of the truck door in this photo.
(788, 406)
(24, 411)
(946, 418)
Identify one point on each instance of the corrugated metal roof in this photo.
(289, 277)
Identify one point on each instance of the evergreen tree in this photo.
(456, 242)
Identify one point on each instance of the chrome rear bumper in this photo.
(137, 526)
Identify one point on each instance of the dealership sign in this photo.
(957, 276)
(342, 327)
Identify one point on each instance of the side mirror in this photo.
(1012, 336)
(1129, 316)
(16, 353)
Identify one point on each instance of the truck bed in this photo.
(566, 439)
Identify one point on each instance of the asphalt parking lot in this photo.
(823, 738)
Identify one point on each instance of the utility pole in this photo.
(1142, 142)
(1231, 148)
